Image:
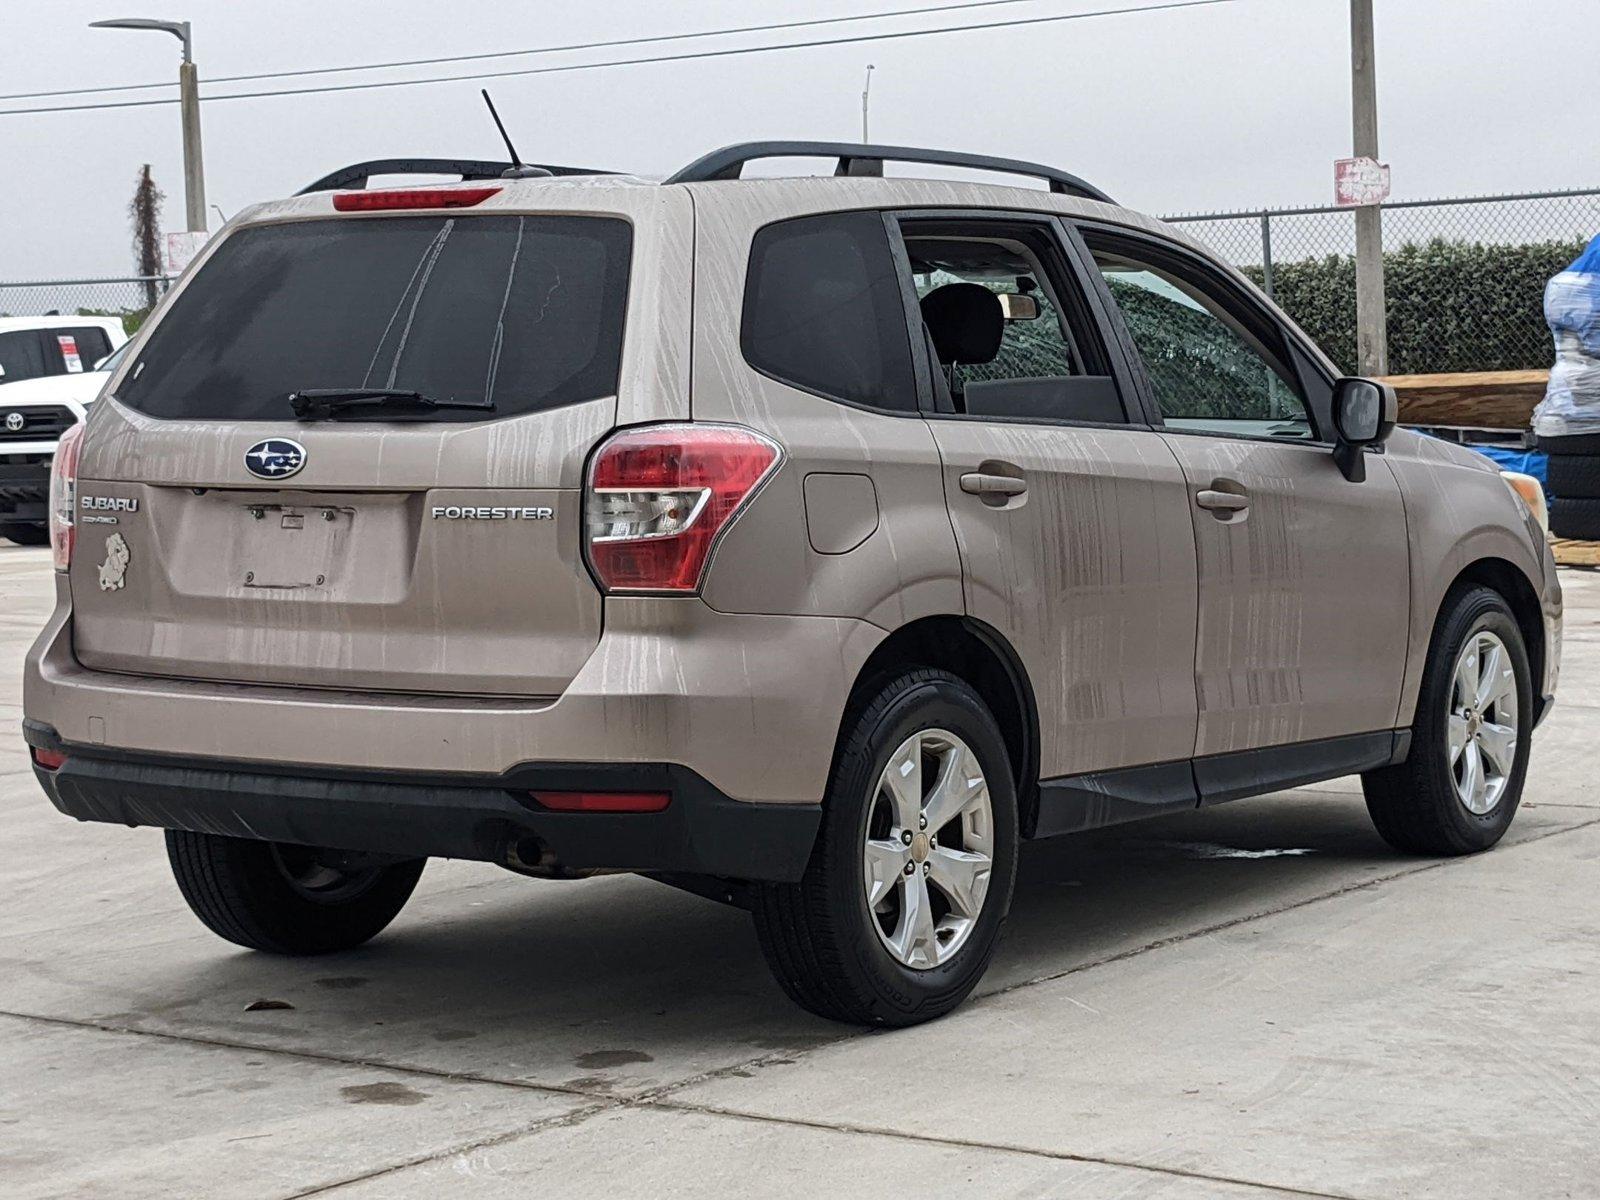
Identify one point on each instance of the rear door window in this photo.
(1006, 323)
(22, 356)
(823, 310)
(525, 311)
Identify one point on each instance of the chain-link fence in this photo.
(1464, 278)
(131, 298)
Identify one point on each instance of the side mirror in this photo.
(1364, 414)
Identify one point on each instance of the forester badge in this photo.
(115, 565)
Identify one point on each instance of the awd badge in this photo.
(115, 565)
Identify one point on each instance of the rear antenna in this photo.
(518, 169)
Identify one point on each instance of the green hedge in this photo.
(132, 318)
(1453, 306)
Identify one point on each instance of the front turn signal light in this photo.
(1531, 492)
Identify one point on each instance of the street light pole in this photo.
(1372, 340)
(194, 183)
(866, 93)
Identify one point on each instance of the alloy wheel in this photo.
(928, 850)
(1481, 730)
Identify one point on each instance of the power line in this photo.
(628, 62)
(635, 41)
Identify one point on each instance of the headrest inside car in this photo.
(966, 322)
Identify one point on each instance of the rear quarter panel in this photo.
(906, 567)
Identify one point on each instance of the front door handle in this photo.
(977, 483)
(1223, 502)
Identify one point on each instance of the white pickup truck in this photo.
(51, 369)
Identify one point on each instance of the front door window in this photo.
(1209, 368)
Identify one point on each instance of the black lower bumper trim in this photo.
(700, 832)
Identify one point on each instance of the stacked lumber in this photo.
(1569, 553)
(1471, 400)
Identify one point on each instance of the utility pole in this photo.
(194, 171)
(194, 183)
(866, 93)
(1372, 341)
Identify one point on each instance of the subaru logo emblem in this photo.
(275, 458)
(15, 421)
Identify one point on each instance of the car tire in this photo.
(25, 533)
(1577, 519)
(835, 950)
(1448, 801)
(1575, 476)
(280, 899)
(1581, 443)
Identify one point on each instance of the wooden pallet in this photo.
(1570, 553)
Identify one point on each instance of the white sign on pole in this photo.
(181, 249)
(1360, 181)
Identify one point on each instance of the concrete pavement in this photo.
(1257, 1000)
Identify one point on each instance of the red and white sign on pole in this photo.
(181, 249)
(1358, 182)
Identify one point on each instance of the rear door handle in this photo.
(976, 483)
(1228, 502)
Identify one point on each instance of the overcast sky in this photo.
(1239, 105)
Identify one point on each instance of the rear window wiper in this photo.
(321, 404)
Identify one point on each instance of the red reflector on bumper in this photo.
(616, 802)
(49, 760)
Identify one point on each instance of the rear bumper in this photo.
(750, 703)
(701, 831)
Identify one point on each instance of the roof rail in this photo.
(356, 175)
(861, 159)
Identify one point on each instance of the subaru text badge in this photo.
(275, 458)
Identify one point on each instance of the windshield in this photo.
(524, 313)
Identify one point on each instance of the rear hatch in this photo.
(386, 546)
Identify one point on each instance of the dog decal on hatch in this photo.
(115, 565)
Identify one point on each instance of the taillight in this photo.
(64, 495)
(388, 200)
(49, 760)
(660, 496)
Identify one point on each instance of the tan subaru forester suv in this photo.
(808, 543)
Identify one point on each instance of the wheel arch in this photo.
(982, 657)
(1520, 594)
(1512, 584)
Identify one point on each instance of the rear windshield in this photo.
(527, 312)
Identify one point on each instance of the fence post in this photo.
(1266, 253)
